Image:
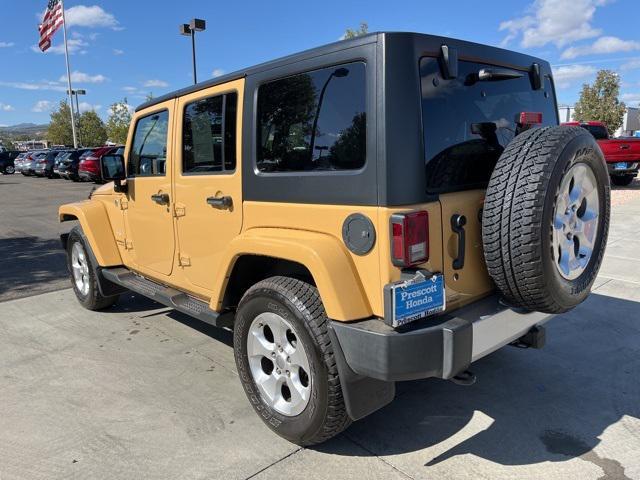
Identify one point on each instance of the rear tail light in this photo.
(89, 164)
(530, 118)
(409, 238)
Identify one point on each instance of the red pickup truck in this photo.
(622, 154)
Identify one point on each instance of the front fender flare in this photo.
(96, 227)
(324, 256)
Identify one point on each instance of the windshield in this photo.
(467, 122)
(598, 131)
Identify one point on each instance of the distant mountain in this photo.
(24, 129)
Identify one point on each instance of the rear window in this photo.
(598, 131)
(467, 123)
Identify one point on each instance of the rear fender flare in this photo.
(324, 256)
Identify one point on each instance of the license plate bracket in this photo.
(415, 298)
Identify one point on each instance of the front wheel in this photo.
(622, 180)
(9, 170)
(285, 360)
(83, 274)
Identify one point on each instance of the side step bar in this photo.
(167, 296)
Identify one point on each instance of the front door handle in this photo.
(160, 198)
(457, 225)
(221, 203)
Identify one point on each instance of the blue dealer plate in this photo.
(414, 300)
(620, 166)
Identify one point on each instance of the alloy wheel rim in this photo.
(575, 221)
(80, 268)
(10, 169)
(279, 364)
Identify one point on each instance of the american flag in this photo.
(51, 22)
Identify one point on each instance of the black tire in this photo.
(92, 299)
(300, 304)
(517, 219)
(9, 170)
(622, 180)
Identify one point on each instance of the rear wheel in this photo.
(285, 360)
(546, 218)
(9, 170)
(622, 180)
(83, 275)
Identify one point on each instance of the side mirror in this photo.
(113, 169)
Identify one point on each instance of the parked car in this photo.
(7, 161)
(422, 212)
(56, 162)
(621, 154)
(44, 165)
(31, 160)
(18, 161)
(68, 167)
(89, 166)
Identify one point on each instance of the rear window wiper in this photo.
(491, 74)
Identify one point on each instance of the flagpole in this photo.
(70, 91)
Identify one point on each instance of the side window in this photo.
(315, 121)
(209, 135)
(148, 156)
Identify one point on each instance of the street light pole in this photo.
(190, 29)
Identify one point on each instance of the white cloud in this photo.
(217, 72)
(632, 99)
(81, 77)
(553, 21)
(603, 45)
(53, 86)
(75, 45)
(155, 83)
(5, 107)
(130, 89)
(6, 44)
(92, 17)
(42, 106)
(86, 107)
(566, 75)
(117, 51)
(631, 64)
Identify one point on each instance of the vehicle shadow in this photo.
(527, 406)
(30, 263)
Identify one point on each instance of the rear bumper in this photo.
(89, 176)
(441, 347)
(631, 170)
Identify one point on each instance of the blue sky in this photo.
(129, 48)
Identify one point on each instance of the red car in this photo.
(621, 154)
(89, 168)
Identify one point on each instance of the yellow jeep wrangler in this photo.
(386, 208)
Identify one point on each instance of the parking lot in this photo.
(141, 391)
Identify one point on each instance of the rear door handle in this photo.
(160, 198)
(457, 225)
(221, 203)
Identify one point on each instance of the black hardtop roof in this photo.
(369, 38)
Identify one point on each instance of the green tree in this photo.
(60, 132)
(118, 122)
(600, 101)
(363, 30)
(92, 129)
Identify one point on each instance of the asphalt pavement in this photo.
(143, 392)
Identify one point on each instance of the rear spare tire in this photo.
(546, 218)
